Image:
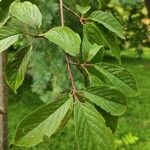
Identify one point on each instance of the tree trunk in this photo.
(3, 104)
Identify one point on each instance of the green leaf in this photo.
(4, 18)
(110, 99)
(83, 10)
(43, 122)
(8, 36)
(7, 42)
(89, 50)
(103, 3)
(90, 128)
(93, 51)
(101, 36)
(94, 81)
(91, 44)
(6, 32)
(65, 38)
(86, 45)
(94, 74)
(111, 121)
(93, 34)
(109, 21)
(99, 56)
(119, 77)
(27, 13)
(110, 40)
(15, 69)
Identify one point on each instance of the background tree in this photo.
(135, 23)
(147, 3)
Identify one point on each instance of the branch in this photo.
(72, 62)
(3, 105)
(71, 77)
(71, 11)
(67, 56)
(34, 36)
(81, 18)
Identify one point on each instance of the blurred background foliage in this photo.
(47, 77)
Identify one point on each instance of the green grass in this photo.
(135, 121)
(137, 118)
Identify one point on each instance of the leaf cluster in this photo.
(96, 107)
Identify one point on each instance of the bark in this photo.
(3, 104)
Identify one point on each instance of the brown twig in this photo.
(86, 65)
(34, 36)
(67, 57)
(61, 12)
(71, 11)
(81, 18)
(72, 62)
(71, 78)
